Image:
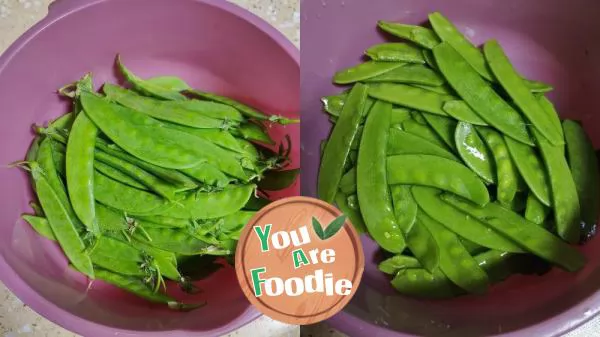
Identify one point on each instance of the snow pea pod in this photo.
(443, 89)
(463, 112)
(111, 220)
(444, 127)
(397, 263)
(531, 168)
(429, 59)
(334, 104)
(365, 71)
(402, 142)
(422, 36)
(40, 225)
(417, 116)
(455, 261)
(148, 88)
(395, 52)
(169, 82)
(565, 200)
(512, 82)
(442, 173)
(208, 174)
(117, 256)
(458, 222)
(161, 110)
(584, 169)
(422, 244)
(348, 182)
(278, 180)
(64, 122)
(409, 96)
(535, 211)
(530, 236)
(420, 283)
(551, 114)
(399, 115)
(480, 96)
(179, 242)
(219, 137)
(474, 152)
(254, 132)
(353, 215)
(371, 181)
(423, 131)
(506, 172)
(410, 74)
(338, 146)
(405, 207)
(537, 86)
(119, 176)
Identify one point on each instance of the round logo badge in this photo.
(299, 260)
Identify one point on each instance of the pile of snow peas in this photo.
(457, 166)
(153, 182)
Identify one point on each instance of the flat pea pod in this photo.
(584, 169)
(119, 176)
(455, 261)
(111, 220)
(235, 222)
(179, 242)
(423, 131)
(441, 173)
(62, 224)
(567, 210)
(148, 88)
(64, 122)
(422, 36)
(535, 211)
(422, 245)
(33, 149)
(458, 222)
(409, 96)
(348, 182)
(364, 71)
(395, 52)
(208, 174)
(429, 59)
(480, 96)
(162, 221)
(506, 171)
(402, 142)
(409, 74)
(169, 82)
(246, 110)
(474, 152)
(80, 170)
(420, 283)
(551, 114)
(45, 160)
(531, 168)
(405, 207)
(356, 141)
(371, 181)
(417, 116)
(521, 95)
(211, 205)
(443, 89)
(117, 256)
(40, 225)
(255, 133)
(530, 236)
(537, 86)
(338, 146)
(278, 180)
(462, 112)
(226, 113)
(444, 127)
(334, 104)
(399, 115)
(396, 263)
(353, 215)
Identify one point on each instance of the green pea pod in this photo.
(348, 182)
(512, 82)
(530, 236)
(531, 168)
(334, 104)
(179, 242)
(567, 210)
(429, 59)
(208, 174)
(338, 146)
(506, 171)
(365, 71)
(117, 175)
(254, 132)
(228, 114)
(420, 283)
(410, 74)
(462, 112)
(111, 220)
(40, 225)
(438, 172)
(551, 114)
(401, 142)
(471, 229)
(397, 263)
(353, 215)
(117, 256)
(400, 115)
(423, 246)
(425, 132)
(444, 127)
(162, 221)
(65, 122)
(480, 96)
(474, 152)
(537, 86)
(422, 36)
(584, 170)
(405, 207)
(371, 181)
(169, 82)
(255, 203)
(535, 211)
(149, 88)
(395, 52)
(443, 89)
(410, 96)
(278, 180)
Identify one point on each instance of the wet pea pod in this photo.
(405, 207)
(353, 215)
(149, 88)
(444, 127)
(531, 168)
(474, 152)
(422, 36)
(410, 96)
(397, 263)
(506, 171)
(461, 111)
(365, 71)
(334, 104)
(422, 244)
(423, 131)
(441, 173)
(395, 52)
(338, 146)
(535, 211)
(402, 142)
(409, 74)
(371, 180)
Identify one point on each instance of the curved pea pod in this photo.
(565, 200)
(353, 215)
(584, 169)
(410, 74)
(148, 88)
(479, 95)
(160, 109)
(64, 122)
(444, 127)
(460, 223)
(441, 173)
(40, 225)
(365, 71)
(551, 114)
(397, 263)
(33, 149)
(409, 96)
(179, 242)
(348, 182)
(422, 245)
(334, 104)
(422, 36)
(371, 181)
(399, 115)
(338, 146)
(521, 95)
(420, 283)
(462, 112)
(455, 261)
(117, 256)
(119, 176)
(278, 180)
(211, 205)
(423, 131)
(208, 174)
(254, 132)
(531, 168)
(528, 235)
(535, 211)
(405, 207)
(474, 152)
(395, 52)
(401, 142)
(173, 83)
(506, 172)
(228, 114)
(60, 221)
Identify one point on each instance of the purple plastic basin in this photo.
(214, 46)
(552, 41)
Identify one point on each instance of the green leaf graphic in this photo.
(318, 229)
(334, 226)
